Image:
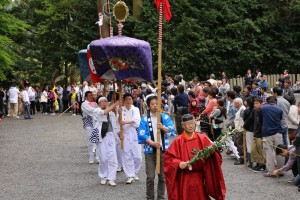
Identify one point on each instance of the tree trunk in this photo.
(138, 9)
(66, 73)
(105, 26)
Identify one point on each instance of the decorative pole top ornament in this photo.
(120, 11)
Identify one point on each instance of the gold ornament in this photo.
(120, 11)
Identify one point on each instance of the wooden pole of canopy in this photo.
(120, 115)
(104, 88)
(141, 107)
(114, 97)
(159, 86)
(245, 148)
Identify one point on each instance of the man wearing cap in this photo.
(132, 152)
(106, 127)
(202, 181)
(88, 107)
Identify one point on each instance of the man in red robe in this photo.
(196, 182)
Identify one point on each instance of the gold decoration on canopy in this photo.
(120, 11)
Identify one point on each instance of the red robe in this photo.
(206, 178)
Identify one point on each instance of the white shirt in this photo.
(293, 117)
(154, 126)
(88, 108)
(13, 94)
(25, 96)
(76, 88)
(132, 114)
(93, 89)
(84, 90)
(182, 82)
(31, 93)
(60, 91)
(45, 94)
(238, 121)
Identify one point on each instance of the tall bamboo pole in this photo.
(159, 86)
(104, 88)
(120, 115)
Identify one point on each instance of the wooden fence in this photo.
(272, 79)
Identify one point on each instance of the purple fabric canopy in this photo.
(121, 58)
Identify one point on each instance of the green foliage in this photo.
(59, 29)
(230, 36)
(10, 26)
(202, 36)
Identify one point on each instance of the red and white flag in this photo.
(93, 73)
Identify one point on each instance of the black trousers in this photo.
(217, 133)
(45, 109)
(238, 142)
(38, 106)
(65, 105)
(1, 107)
(32, 107)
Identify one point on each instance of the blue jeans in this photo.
(297, 180)
(285, 136)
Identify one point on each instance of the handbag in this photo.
(44, 99)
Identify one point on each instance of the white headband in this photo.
(102, 98)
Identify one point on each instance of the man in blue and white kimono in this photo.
(147, 135)
(88, 107)
(105, 125)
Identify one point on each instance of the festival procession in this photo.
(127, 127)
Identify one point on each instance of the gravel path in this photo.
(46, 158)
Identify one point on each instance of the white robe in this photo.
(132, 153)
(88, 111)
(106, 148)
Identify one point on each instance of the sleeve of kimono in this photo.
(136, 117)
(143, 131)
(87, 108)
(167, 122)
(98, 113)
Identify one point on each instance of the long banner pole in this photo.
(159, 86)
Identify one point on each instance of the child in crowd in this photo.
(263, 94)
(255, 90)
(218, 117)
(257, 155)
(204, 123)
(247, 92)
(193, 107)
(197, 122)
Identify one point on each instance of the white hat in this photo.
(143, 85)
